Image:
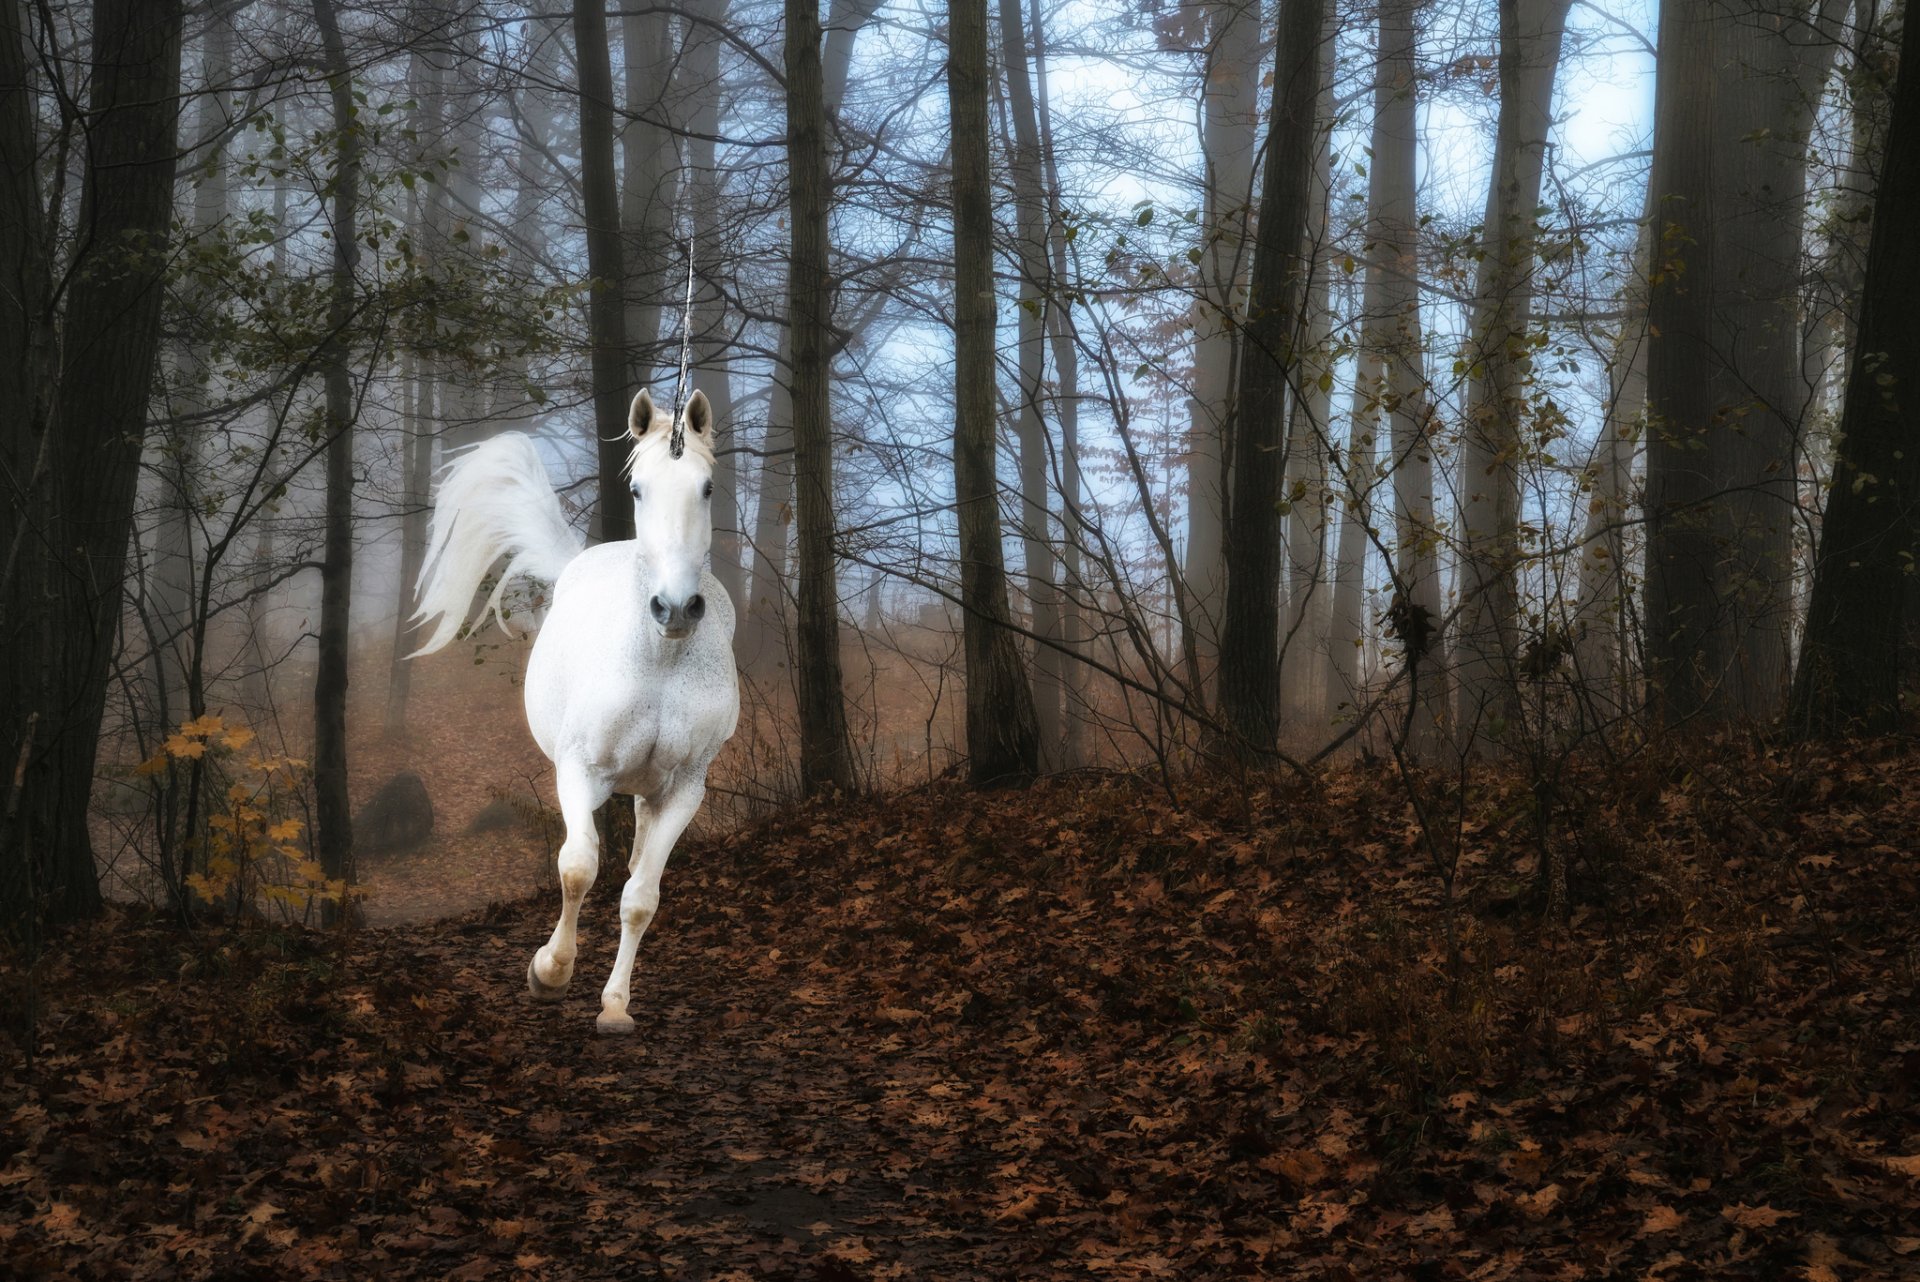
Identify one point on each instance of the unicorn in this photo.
(630, 687)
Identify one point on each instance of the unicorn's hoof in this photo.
(613, 1023)
(542, 992)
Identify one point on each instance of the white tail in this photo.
(495, 501)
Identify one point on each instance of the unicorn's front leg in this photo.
(551, 969)
(641, 897)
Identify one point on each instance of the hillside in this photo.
(1078, 1031)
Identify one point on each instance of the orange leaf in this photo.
(1755, 1217)
(1662, 1219)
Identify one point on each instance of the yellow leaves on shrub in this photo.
(246, 841)
(191, 741)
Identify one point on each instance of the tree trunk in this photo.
(606, 315)
(1347, 630)
(1002, 738)
(826, 760)
(1303, 627)
(66, 562)
(1858, 657)
(1230, 110)
(1723, 364)
(647, 200)
(533, 102)
(175, 564)
(1486, 648)
(1066, 364)
(1269, 360)
(764, 648)
(1391, 328)
(845, 18)
(417, 470)
(712, 365)
(1043, 587)
(464, 407)
(333, 815)
(1599, 617)
(28, 624)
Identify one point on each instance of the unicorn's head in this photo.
(671, 475)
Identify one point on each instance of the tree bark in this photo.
(1858, 656)
(1486, 651)
(1723, 364)
(1066, 364)
(1599, 617)
(67, 558)
(333, 815)
(1269, 360)
(712, 365)
(174, 567)
(1303, 626)
(647, 199)
(1002, 737)
(1030, 239)
(417, 472)
(28, 622)
(826, 760)
(1347, 629)
(1391, 328)
(606, 314)
(764, 646)
(1230, 115)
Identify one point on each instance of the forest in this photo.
(1324, 622)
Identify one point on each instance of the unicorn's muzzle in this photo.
(678, 620)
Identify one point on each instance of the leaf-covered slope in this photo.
(1067, 1032)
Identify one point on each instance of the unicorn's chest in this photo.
(636, 728)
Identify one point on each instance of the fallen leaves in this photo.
(1075, 1031)
(1754, 1217)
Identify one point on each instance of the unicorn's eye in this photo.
(636, 492)
(706, 491)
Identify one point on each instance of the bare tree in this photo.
(1002, 737)
(711, 356)
(1036, 451)
(78, 434)
(1724, 390)
(333, 816)
(1391, 328)
(1230, 111)
(1862, 649)
(1486, 650)
(606, 310)
(1269, 360)
(647, 198)
(825, 758)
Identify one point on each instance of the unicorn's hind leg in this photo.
(581, 793)
(653, 842)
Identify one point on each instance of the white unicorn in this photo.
(630, 687)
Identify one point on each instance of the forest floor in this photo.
(1077, 1031)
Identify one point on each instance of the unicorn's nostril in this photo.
(660, 610)
(696, 606)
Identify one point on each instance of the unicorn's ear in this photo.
(641, 416)
(699, 414)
